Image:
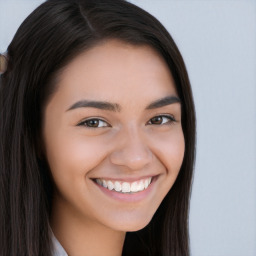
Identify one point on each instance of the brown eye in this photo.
(157, 120)
(94, 123)
(163, 119)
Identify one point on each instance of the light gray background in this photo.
(217, 39)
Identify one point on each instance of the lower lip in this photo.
(126, 197)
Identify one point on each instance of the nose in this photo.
(131, 151)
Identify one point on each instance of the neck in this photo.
(80, 236)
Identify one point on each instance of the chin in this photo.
(131, 225)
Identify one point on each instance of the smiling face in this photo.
(113, 137)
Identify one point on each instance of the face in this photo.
(112, 135)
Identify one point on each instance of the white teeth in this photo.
(99, 182)
(110, 185)
(134, 186)
(118, 186)
(146, 183)
(104, 183)
(141, 186)
(137, 186)
(125, 187)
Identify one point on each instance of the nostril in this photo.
(133, 159)
(131, 149)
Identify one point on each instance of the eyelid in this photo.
(82, 123)
(170, 117)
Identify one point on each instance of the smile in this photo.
(125, 187)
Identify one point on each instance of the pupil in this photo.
(93, 123)
(157, 120)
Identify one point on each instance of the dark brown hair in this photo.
(55, 33)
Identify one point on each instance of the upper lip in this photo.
(128, 179)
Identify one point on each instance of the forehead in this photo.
(117, 70)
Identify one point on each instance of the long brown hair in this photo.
(55, 33)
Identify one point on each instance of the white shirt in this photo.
(58, 250)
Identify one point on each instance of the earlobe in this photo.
(3, 63)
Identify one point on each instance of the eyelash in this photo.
(84, 123)
(169, 117)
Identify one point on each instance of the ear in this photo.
(3, 63)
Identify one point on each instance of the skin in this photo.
(128, 144)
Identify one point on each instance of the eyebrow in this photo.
(104, 105)
(163, 102)
(96, 104)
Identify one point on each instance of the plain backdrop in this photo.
(217, 39)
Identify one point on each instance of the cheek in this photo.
(71, 157)
(171, 148)
(175, 149)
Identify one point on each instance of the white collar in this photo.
(58, 250)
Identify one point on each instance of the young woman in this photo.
(97, 134)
